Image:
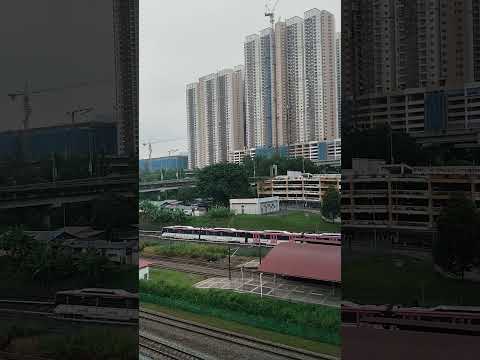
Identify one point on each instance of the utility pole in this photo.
(229, 268)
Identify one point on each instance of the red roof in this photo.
(142, 263)
(309, 261)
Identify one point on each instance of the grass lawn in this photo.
(211, 252)
(175, 277)
(294, 221)
(403, 280)
(292, 341)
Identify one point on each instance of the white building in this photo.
(215, 117)
(338, 69)
(255, 206)
(192, 124)
(252, 87)
(295, 52)
(143, 270)
(297, 187)
(320, 81)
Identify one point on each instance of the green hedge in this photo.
(308, 321)
(177, 249)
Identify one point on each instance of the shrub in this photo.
(305, 320)
(220, 213)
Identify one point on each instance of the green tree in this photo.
(374, 143)
(331, 203)
(458, 241)
(221, 182)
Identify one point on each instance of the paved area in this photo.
(279, 288)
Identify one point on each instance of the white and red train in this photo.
(265, 237)
(463, 319)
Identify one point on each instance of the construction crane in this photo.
(26, 94)
(149, 143)
(270, 12)
(73, 113)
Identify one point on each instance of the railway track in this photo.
(27, 307)
(156, 348)
(278, 350)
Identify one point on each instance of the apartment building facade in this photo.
(215, 117)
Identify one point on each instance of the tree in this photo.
(221, 182)
(457, 244)
(331, 203)
(374, 143)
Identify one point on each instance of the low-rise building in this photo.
(143, 269)
(319, 152)
(255, 206)
(299, 187)
(397, 203)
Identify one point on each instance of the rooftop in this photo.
(308, 261)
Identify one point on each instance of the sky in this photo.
(56, 44)
(181, 41)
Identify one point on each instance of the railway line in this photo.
(27, 307)
(156, 348)
(278, 351)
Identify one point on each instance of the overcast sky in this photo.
(56, 44)
(183, 40)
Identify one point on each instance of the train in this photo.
(455, 319)
(95, 304)
(265, 237)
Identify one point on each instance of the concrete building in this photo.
(252, 87)
(419, 110)
(143, 269)
(399, 203)
(295, 53)
(320, 80)
(410, 44)
(237, 126)
(192, 106)
(281, 131)
(296, 187)
(320, 152)
(338, 72)
(215, 117)
(178, 162)
(255, 206)
(125, 32)
(207, 119)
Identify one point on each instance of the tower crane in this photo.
(149, 143)
(26, 94)
(270, 12)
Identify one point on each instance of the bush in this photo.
(154, 214)
(309, 321)
(220, 213)
(200, 251)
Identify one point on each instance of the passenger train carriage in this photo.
(455, 319)
(106, 305)
(265, 237)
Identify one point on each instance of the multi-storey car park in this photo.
(296, 187)
(398, 205)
